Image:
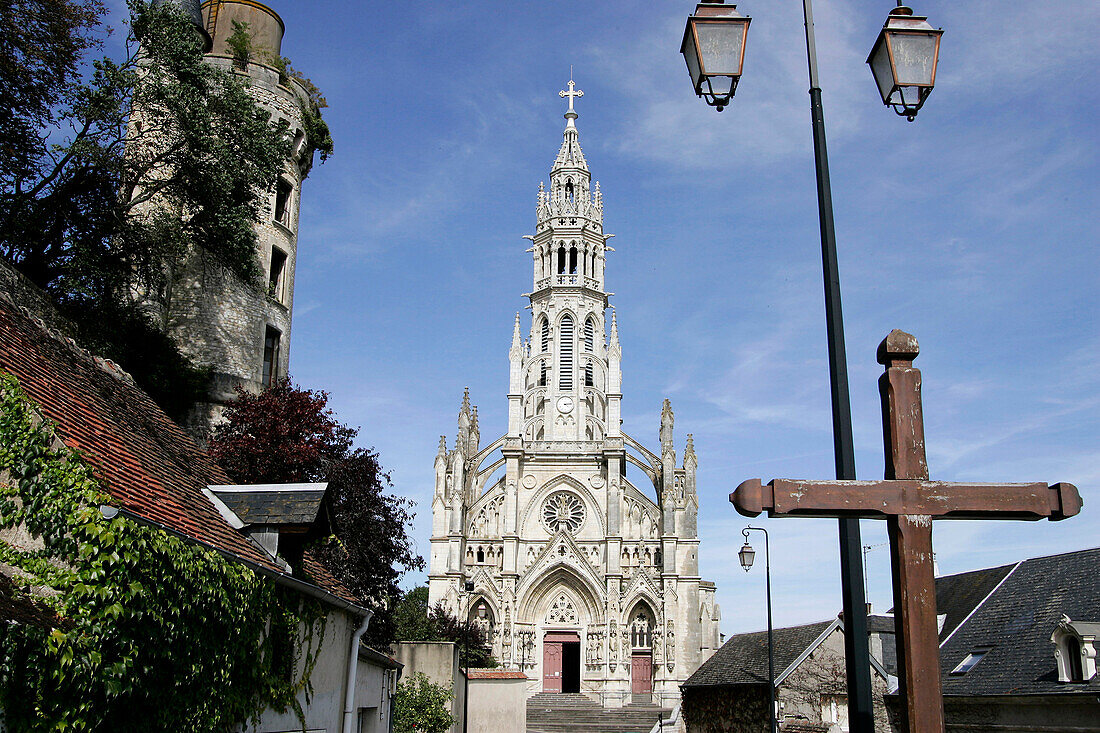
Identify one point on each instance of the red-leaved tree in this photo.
(287, 434)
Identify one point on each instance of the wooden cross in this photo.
(908, 502)
(571, 93)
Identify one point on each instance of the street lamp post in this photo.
(469, 586)
(903, 63)
(746, 556)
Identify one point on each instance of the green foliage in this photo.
(421, 706)
(162, 634)
(287, 434)
(414, 621)
(240, 44)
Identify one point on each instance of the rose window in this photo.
(563, 510)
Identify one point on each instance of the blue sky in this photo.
(974, 228)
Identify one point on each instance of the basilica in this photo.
(583, 580)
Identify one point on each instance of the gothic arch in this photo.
(641, 592)
(553, 484)
(544, 334)
(536, 598)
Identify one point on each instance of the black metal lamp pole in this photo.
(903, 63)
(856, 652)
(746, 555)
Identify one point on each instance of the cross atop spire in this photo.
(570, 114)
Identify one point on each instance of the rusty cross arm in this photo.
(908, 501)
(882, 499)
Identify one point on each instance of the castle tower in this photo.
(584, 581)
(239, 331)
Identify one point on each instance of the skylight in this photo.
(970, 661)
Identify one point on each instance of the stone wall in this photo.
(498, 701)
(438, 660)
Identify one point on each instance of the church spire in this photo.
(570, 157)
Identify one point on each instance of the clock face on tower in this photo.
(565, 404)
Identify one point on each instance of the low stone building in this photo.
(498, 701)
(729, 692)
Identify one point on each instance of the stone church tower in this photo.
(586, 582)
(239, 331)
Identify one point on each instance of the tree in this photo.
(287, 434)
(152, 158)
(421, 706)
(413, 621)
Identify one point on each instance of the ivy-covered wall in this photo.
(161, 634)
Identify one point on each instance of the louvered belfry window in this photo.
(565, 363)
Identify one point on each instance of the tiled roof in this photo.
(1016, 622)
(496, 674)
(143, 459)
(743, 659)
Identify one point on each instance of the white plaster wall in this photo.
(324, 711)
(498, 706)
(438, 660)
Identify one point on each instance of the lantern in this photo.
(714, 49)
(903, 61)
(746, 556)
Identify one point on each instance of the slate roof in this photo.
(958, 595)
(277, 504)
(143, 459)
(743, 659)
(1016, 621)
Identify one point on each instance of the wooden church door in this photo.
(551, 666)
(641, 674)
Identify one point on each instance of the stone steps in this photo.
(575, 713)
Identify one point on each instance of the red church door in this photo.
(641, 674)
(561, 662)
(551, 666)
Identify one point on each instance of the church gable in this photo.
(562, 551)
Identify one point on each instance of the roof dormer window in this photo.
(1075, 649)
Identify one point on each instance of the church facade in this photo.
(584, 581)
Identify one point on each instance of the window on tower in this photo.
(569, 189)
(542, 373)
(276, 287)
(561, 260)
(572, 260)
(271, 357)
(283, 189)
(545, 336)
(565, 353)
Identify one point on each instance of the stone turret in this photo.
(241, 331)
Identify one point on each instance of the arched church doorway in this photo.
(561, 662)
(641, 655)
